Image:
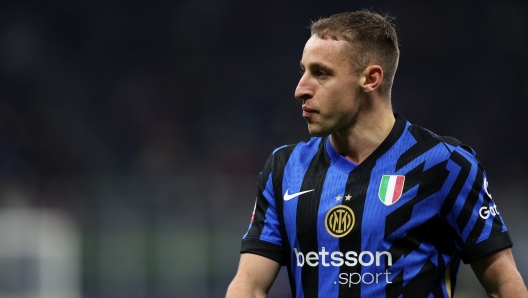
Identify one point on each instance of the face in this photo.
(328, 88)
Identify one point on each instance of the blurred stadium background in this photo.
(131, 134)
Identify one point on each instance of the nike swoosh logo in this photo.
(288, 197)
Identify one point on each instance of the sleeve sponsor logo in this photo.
(485, 212)
(486, 186)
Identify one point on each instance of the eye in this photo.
(302, 71)
(321, 73)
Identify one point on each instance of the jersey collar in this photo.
(348, 166)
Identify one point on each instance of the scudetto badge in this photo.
(339, 221)
(391, 188)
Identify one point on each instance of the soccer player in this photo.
(371, 205)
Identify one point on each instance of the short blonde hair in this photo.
(372, 39)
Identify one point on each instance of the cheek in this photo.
(343, 100)
(338, 99)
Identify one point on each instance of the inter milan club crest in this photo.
(391, 187)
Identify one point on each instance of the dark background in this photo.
(146, 122)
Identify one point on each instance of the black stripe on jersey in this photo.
(307, 211)
(425, 142)
(390, 140)
(440, 275)
(465, 168)
(260, 212)
(395, 288)
(497, 225)
(262, 204)
(413, 239)
(486, 247)
(469, 204)
(263, 248)
(280, 163)
(456, 188)
(429, 182)
(251, 244)
(454, 265)
(356, 186)
(423, 283)
(420, 287)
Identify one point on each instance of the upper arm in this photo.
(472, 219)
(499, 276)
(254, 277)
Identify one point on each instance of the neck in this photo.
(369, 130)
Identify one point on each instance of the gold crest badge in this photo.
(339, 221)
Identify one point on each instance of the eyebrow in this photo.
(316, 65)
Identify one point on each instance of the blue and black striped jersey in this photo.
(396, 225)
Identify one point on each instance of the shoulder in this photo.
(309, 144)
(281, 155)
(449, 144)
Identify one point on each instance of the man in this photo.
(371, 206)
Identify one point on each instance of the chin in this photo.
(317, 131)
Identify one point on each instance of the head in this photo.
(371, 39)
(348, 65)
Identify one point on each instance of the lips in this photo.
(307, 112)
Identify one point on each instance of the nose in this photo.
(304, 89)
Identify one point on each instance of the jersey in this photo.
(396, 225)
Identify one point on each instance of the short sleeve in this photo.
(472, 217)
(263, 236)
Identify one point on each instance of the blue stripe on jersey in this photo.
(461, 200)
(372, 207)
(400, 232)
(489, 221)
(427, 158)
(335, 183)
(454, 170)
(278, 149)
(337, 159)
(403, 264)
(487, 227)
(504, 228)
(271, 231)
(486, 231)
(374, 235)
(294, 172)
(411, 270)
(473, 219)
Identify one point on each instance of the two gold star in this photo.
(347, 197)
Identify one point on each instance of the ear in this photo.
(373, 76)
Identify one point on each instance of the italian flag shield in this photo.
(391, 187)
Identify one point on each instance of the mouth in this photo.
(307, 112)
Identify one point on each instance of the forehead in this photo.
(325, 51)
